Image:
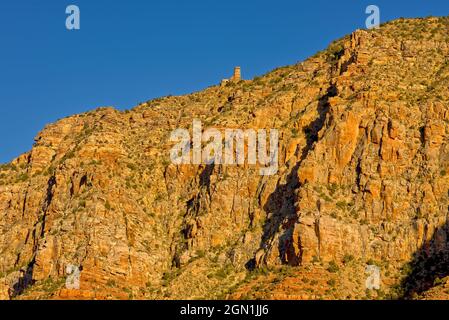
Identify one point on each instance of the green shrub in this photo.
(111, 283)
(8, 166)
(373, 263)
(333, 187)
(348, 258)
(333, 267)
(342, 205)
(221, 274)
(200, 253)
(159, 197)
(22, 177)
(334, 51)
(332, 282)
(437, 281)
(294, 132)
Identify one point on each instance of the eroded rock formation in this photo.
(363, 176)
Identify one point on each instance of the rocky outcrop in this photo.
(363, 173)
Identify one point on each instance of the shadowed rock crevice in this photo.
(280, 206)
(25, 278)
(429, 265)
(312, 130)
(48, 199)
(196, 206)
(24, 281)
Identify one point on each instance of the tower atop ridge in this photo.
(237, 74)
(236, 77)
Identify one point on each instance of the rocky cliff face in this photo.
(363, 179)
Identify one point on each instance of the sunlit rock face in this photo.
(363, 179)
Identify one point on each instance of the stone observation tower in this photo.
(237, 75)
(235, 78)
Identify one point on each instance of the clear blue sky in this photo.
(131, 51)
